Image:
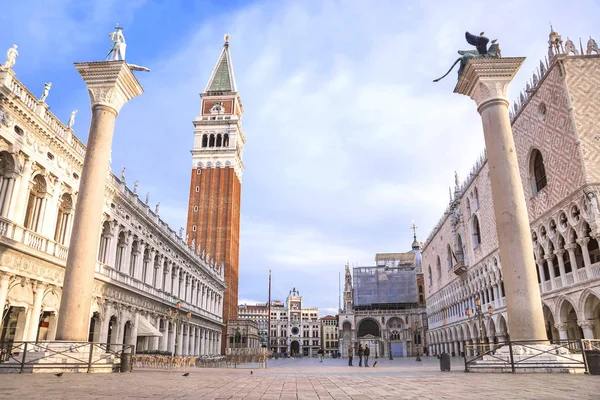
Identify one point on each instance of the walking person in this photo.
(367, 352)
(320, 353)
(350, 354)
(361, 352)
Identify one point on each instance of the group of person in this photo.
(363, 352)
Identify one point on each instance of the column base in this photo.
(59, 356)
(534, 358)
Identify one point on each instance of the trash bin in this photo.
(593, 361)
(126, 364)
(445, 362)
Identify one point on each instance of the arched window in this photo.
(430, 276)
(120, 255)
(7, 181)
(211, 141)
(226, 140)
(145, 263)
(135, 253)
(63, 221)
(468, 206)
(537, 172)
(219, 140)
(476, 199)
(460, 255)
(205, 140)
(439, 268)
(104, 242)
(449, 257)
(476, 232)
(35, 204)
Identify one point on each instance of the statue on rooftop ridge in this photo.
(47, 87)
(480, 42)
(11, 57)
(117, 51)
(72, 119)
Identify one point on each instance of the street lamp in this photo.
(176, 318)
(480, 315)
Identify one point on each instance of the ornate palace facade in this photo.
(144, 268)
(557, 130)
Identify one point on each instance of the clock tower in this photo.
(213, 221)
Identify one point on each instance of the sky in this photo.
(348, 138)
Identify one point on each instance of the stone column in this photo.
(486, 81)
(110, 85)
(561, 266)
(34, 316)
(550, 260)
(7, 195)
(219, 342)
(562, 331)
(4, 281)
(540, 267)
(192, 336)
(588, 329)
(180, 340)
(19, 206)
(574, 268)
(583, 242)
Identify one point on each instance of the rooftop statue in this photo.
(480, 42)
(12, 53)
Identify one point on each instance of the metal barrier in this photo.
(512, 356)
(77, 356)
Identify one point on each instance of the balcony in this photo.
(459, 268)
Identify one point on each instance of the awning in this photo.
(145, 328)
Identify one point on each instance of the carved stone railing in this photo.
(56, 126)
(104, 271)
(162, 226)
(570, 279)
(35, 241)
(24, 94)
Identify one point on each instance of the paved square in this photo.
(304, 379)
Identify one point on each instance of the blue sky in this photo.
(348, 139)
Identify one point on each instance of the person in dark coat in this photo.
(367, 352)
(350, 355)
(361, 352)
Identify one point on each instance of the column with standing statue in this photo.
(110, 85)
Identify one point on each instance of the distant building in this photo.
(384, 306)
(329, 335)
(258, 313)
(295, 330)
(242, 334)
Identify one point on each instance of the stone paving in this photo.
(304, 379)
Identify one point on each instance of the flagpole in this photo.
(269, 316)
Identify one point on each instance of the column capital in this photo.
(549, 257)
(583, 241)
(559, 252)
(485, 79)
(586, 324)
(110, 83)
(570, 247)
(561, 327)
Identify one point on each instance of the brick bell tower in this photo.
(213, 221)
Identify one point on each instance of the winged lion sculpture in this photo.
(481, 51)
